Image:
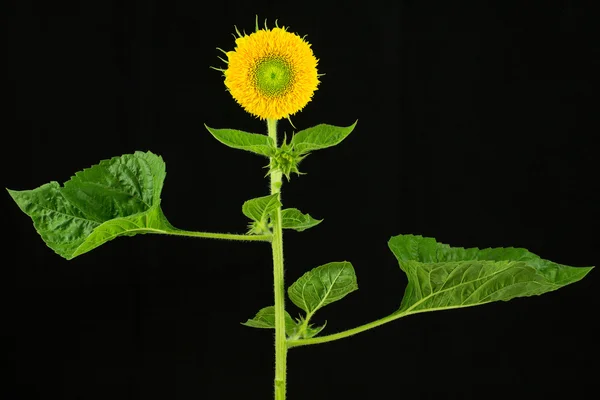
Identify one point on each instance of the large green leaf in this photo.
(323, 285)
(292, 218)
(319, 137)
(265, 318)
(252, 142)
(441, 277)
(117, 197)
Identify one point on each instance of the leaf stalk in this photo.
(213, 235)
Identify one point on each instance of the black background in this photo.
(476, 126)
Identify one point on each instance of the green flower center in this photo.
(273, 76)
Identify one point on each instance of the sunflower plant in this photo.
(272, 74)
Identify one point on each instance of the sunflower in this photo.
(271, 73)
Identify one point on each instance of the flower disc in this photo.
(272, 74)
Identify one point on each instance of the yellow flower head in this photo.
(272, 73)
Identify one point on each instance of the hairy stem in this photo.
(213, 235)
(277, 246)
(365, 327)
(343, 334)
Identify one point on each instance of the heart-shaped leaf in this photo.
(319, 137)
(323, 285)
(265, 318)
(259, 211)
(117, 197)
(259, 208)
(441, 277)
(292, 218)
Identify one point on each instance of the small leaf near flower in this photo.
(292, 218)
(319, 137)
(252, 142)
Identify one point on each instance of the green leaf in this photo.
(117, 197)
(323, 285)
(265, 318)
(259, 210)
(305, 330)
(319, 137)
(312, 332)
(441, 277)
(292, 218)
(252, 142)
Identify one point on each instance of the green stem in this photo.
(171, 230)
(212, 235)
(278, 287)
(344, 334)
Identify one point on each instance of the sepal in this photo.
(286, 160)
